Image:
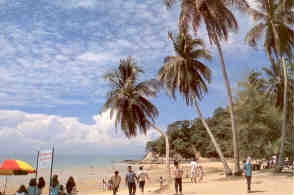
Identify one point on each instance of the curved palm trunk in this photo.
(227, 169)
(167, 161)
(280, 164)
(237, 169)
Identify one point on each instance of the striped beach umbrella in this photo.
(15, 167)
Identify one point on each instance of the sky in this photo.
(52, 58)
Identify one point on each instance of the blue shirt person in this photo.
(248, 173)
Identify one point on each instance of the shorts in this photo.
(141, 184)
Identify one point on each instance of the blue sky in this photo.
(54, 53)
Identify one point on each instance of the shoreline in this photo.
(89, 179)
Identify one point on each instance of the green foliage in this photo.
(258, 120)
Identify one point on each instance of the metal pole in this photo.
(5, 185)
(51, 169)
(37, 166)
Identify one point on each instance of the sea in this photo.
(75, 160)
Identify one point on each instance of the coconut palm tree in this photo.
(219, 21)
(274, 19)
(128, 103)
(185, 73)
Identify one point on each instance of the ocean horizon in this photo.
(75, 160)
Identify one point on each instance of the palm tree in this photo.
(218, 20)
(185, 73)
(128, 103)
(274, 19)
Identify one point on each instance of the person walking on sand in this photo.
(248, 173)
(142, 177)
(178, 173)
(193, 165)
(131, 180)
(115, 180)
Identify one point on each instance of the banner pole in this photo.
(37, 166)
(52, 159)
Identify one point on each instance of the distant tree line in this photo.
(258, 120)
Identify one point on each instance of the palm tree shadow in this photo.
(257, 191)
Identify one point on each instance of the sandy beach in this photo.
(89, 180)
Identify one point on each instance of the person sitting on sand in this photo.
(248, 173)
(142, 177)
(71, 187)
(32, 189)
(115, 180)
(178, 174)
(21, 190)
(55, 187)
(41, 184)
(61, 190)
(131, 180)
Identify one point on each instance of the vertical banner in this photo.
(45, 159)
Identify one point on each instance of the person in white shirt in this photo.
(193, 165)
(142, 177)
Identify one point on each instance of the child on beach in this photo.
(115, 180)
(178, 174)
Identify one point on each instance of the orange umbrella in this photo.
(15, 167)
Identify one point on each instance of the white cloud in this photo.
(97, 57)
(40, 131)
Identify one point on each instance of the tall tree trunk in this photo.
(280, 163)
(227, 169)
(237, 169)
(167, 160)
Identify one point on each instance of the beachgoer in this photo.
(71, 187)
(21, 190)
(61, 190)
(193, 165)
(55, 187)
(33, 189)
(161, 182)
(200, 172)
(178, 174)
(131, 180)
(41, 184)
(115, 180)
(248, 173)
(109, 185)
(104, 184)
(142, 177)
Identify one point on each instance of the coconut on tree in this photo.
(128, 101)
(273, 24)
(187, 74)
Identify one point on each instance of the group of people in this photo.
(131, 180)
(36, 188)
